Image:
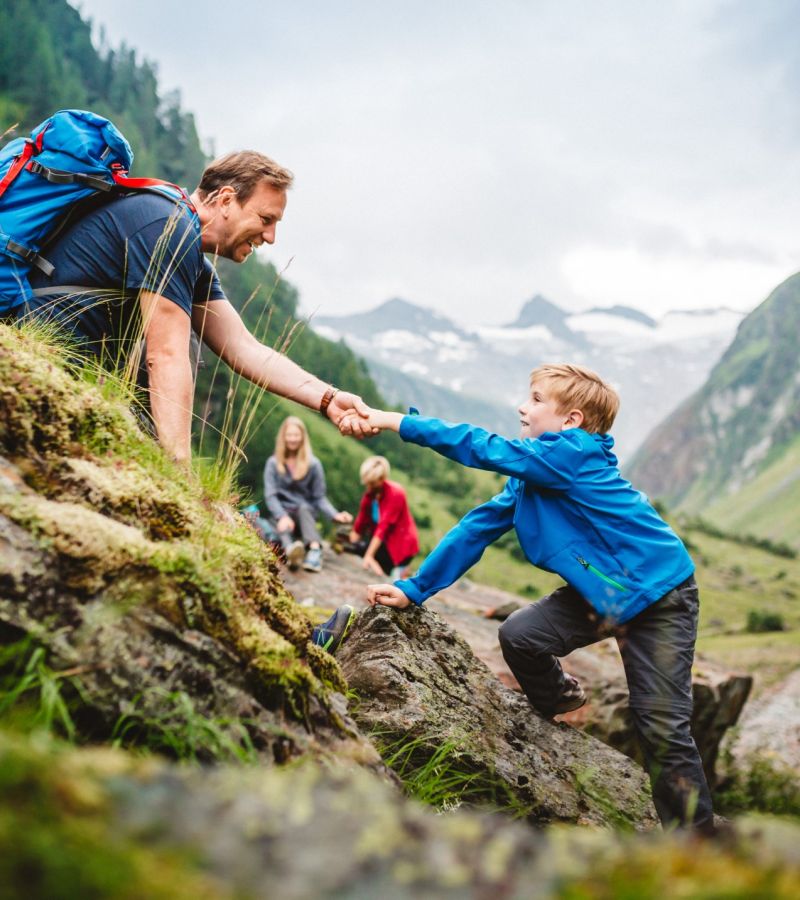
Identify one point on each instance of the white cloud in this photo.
(468, 157)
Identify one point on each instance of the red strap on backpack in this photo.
(31, 148)
(17, 166)
(121, 178)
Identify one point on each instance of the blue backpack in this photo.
(72, 156)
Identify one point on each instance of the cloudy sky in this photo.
(466, 156)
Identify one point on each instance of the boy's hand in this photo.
(386, 595)
(343, 517)
(381, 420)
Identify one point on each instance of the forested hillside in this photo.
(48, 62)
(731, 451)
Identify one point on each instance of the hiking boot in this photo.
(313, 560)
(572, 696)
(330, 634)
(294, 554)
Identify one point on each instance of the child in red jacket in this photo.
(385, 520)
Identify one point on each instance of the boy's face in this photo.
(539, 413)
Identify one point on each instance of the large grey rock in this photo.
(419, 685)
(770, 727)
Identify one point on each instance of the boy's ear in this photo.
(573, 419)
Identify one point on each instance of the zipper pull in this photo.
(582, 561)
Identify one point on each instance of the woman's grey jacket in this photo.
(282, 493)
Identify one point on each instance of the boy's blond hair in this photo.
(576, 387)
(373, 470)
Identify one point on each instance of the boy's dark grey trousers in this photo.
(657, 648)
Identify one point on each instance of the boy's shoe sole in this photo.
(330, 634)
(295, 554)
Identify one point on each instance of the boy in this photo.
(627, 573)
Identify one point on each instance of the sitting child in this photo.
(627, 573)
(384, 532)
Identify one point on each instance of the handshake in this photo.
(362, 421)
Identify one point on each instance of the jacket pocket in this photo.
(601, 575)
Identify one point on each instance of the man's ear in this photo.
(573, 419)
(221, 197)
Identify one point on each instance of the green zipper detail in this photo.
(590, 568)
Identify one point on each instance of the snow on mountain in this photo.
(653, 364)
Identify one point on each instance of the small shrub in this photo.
(759, 621)
(423, 520)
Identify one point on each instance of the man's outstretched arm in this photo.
(221, 328)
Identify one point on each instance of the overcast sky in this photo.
(468, 155)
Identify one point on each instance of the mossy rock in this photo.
(128, 559)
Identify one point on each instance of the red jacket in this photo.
(395, 528)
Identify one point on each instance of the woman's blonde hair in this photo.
(303, 457)
(374, 469)
(576, 387)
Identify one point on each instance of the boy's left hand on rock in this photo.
(386, 595)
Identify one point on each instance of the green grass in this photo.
(32, 694)
(178, 730)
(766, 506)
(438, 773)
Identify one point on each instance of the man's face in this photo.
(241, 227)
(539, 413)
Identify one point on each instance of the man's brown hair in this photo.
(243, 170)
(576, 387)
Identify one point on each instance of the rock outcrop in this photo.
(719, 694)
(771, 727)
(158, 607)
(419, 688)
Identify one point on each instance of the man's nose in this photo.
(269, 234)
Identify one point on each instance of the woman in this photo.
(294, 491)
(385, 519)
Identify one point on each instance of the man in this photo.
(134, 268)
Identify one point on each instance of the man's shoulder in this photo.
(142, 208)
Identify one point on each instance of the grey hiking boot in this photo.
(313, 560)
(294, 554)
(572, 696)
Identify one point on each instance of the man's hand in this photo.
(386, 595)
(349, 413)
(343, 517)
(369, 562)
(285, 523)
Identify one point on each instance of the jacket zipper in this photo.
(590, 568)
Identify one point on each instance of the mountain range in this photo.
(422, 358)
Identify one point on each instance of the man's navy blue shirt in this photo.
(135, 242)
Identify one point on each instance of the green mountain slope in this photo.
(731, 452)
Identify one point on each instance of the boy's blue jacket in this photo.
(573, 512)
